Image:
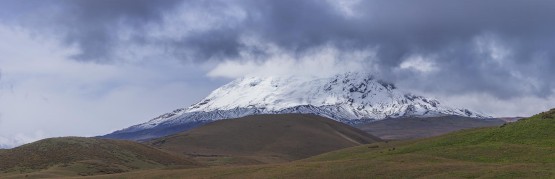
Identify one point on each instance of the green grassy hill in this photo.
(67, 156)
(524, 149)
(530, 140)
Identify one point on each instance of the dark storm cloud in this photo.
(447, 30)
(93, 25)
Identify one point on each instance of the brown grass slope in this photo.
(84, 156)
(415, 128)
(264, 139)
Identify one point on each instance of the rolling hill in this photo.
(78, 156)
(523, 149)
(264, 139)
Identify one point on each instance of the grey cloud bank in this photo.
(503, 47)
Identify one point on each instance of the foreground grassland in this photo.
(525, 149)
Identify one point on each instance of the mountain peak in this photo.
(276, 93)
(358, 94)
(352, 98)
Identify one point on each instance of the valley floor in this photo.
(402, 159)
(383, 160)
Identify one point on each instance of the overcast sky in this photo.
(88, 67)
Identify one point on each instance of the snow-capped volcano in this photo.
(350, 98)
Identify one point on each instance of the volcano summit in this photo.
(351, 98)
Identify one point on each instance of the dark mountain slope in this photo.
(414, 127)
